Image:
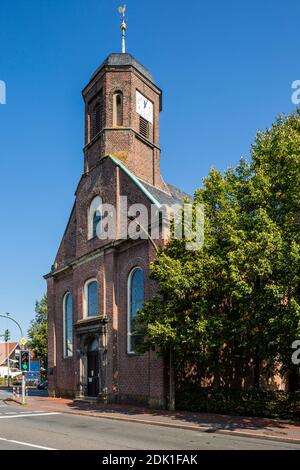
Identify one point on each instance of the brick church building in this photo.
(96, 285)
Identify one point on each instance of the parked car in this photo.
(43, 385)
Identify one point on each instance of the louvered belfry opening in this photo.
(144, 127)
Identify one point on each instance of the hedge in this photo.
(260, 403)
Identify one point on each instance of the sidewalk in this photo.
(259, 428)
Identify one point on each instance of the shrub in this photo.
(260, 403)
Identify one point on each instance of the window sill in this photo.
(134, 354)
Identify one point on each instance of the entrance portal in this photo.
(93, 368)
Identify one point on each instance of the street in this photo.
(22, 429)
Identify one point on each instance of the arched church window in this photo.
(68, 325)
(95, 218)
(96, 116)
(135, 303)
(118, 109)
(91, 302)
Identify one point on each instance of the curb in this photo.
(186, 427)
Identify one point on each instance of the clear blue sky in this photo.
(225, 67)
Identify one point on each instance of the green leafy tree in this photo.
(232, 309)
(38, 331)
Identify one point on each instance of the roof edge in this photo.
(135, 180)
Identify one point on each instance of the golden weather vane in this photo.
(122, 11)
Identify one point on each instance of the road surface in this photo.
(21, 429)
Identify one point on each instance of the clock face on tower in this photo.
(144, 107)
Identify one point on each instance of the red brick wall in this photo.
(142, 157)
(129, 377)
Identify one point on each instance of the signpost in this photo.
(24, 341)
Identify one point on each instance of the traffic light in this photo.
(25, 361)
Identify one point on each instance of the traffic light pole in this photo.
(25, 367)
(7, 317)
(23, 389)
(23, 398)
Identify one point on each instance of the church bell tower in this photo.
(122, 112)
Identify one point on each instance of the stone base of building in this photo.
(60, 393)
(142, 400)
(155, 403)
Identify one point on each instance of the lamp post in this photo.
(171, 404)
(7, 316)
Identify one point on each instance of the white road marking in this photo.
(26, 444)
(28, 415)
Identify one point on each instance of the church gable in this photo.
(67, 249)
(106, 184)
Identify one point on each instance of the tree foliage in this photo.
(235, 304)
(38, 331)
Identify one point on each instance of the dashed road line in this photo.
(27, 444)
(28, 415)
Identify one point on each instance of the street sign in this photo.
(24, 341)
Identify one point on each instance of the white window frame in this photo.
(85, 296)
(65, 346)
(95, 206)
(129, 333)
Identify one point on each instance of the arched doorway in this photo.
(93, 368)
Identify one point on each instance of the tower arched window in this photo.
(68, 325)
(135, 302)
(91, 298)
(96, 116)
(118, 109)
(95, 218)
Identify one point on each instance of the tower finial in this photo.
(123, 27)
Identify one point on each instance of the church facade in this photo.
(97, 284)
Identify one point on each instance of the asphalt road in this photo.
(34, 430)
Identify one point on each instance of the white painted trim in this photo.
(85, 296)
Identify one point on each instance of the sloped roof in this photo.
(154, 194)
(176, 196)
(123, 60)
(6, 350)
